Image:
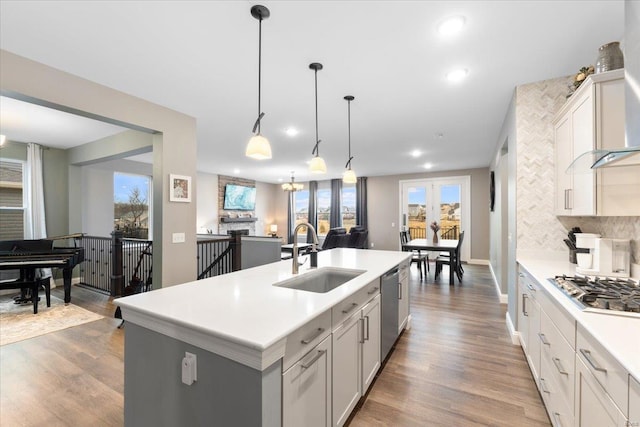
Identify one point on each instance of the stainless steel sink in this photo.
(322, 280)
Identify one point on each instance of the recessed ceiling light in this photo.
(427, 166)
(291, 131)
(236, 171)
(457, 75)
(451, 25)
(416, 153)
(280, 180)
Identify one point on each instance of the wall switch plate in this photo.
(189, 368)
(178, 238)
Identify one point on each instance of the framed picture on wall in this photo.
(179, 188)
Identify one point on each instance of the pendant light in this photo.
(349, 176)
(292, 186)
(258, 146)
(317, 164)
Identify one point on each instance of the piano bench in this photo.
(34, 285)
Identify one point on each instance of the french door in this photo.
(443, 200)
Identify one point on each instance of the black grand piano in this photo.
(29, 255)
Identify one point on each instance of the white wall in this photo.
(207, 209)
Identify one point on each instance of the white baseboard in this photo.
(504, 298)
(515, 335)
(479, 261)
(408, 326)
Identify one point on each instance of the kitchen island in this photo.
(244, 333)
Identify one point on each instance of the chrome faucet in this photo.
(314, 247)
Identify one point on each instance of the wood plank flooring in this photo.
(455, 366)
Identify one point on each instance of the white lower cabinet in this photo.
(356, 358)
(306, 389)
(594, 407)
(403, 297)
(634, 402)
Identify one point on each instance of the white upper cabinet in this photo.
(593, 118)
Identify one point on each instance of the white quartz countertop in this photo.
(243, 310)
(618, 334)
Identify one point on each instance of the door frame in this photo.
(465, 201)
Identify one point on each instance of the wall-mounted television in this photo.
(239, 198)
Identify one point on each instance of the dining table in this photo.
(442, 245)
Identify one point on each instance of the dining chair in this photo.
(452, 263)
(417, 257)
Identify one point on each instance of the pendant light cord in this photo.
(316, 148)
(259, 70)
(349, 121)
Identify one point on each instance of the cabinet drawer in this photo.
(607, 371)
(564, 322)
(559, 358)
(343, 310)
(303, 339)
(560, 411)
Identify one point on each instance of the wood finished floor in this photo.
(456, 366)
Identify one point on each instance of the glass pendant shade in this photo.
(317, 165)
(349, 177)
(292, 186)
(258, 148)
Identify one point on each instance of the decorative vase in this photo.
(609, 57)
(435, 237)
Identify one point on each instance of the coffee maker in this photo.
(586, 253)
(612, 257)
(603, 257)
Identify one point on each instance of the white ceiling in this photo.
(200, 58)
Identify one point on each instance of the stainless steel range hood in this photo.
(630, 153)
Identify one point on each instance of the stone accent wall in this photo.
(536, 106)
(224, 227)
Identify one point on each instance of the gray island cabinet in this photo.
(265, 355)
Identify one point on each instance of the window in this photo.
(324, 210)
(348, 213)
(11, 200)
(131, 205)
(301, 210)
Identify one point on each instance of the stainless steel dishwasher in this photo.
(389, 323)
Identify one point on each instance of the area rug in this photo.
(17, 321)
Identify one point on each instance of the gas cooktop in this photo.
(602, 294)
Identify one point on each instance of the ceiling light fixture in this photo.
(317, 164)
(427, 166)
(451, 26)
(416, 153)
(457, 75)
(258, 146)
(349, 176)
(291, 132)
(3, 139)
(293, 185)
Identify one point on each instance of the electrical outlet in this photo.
(393, 224)
(372, 244)
(189, 368)
(178, 238)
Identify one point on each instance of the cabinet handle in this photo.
(373, 291)
(566, 204)
(543, 386)
(531, 288)
(367, 338)
(399, 290)
(587, 355)
(315, 358)
(559, 367)
(353, 305)
(319, 332)
(543, 338)
(361, 321)
(524, 304)
(556, 416)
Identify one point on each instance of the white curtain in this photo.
(34, 222)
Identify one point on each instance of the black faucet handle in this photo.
(314, 258)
